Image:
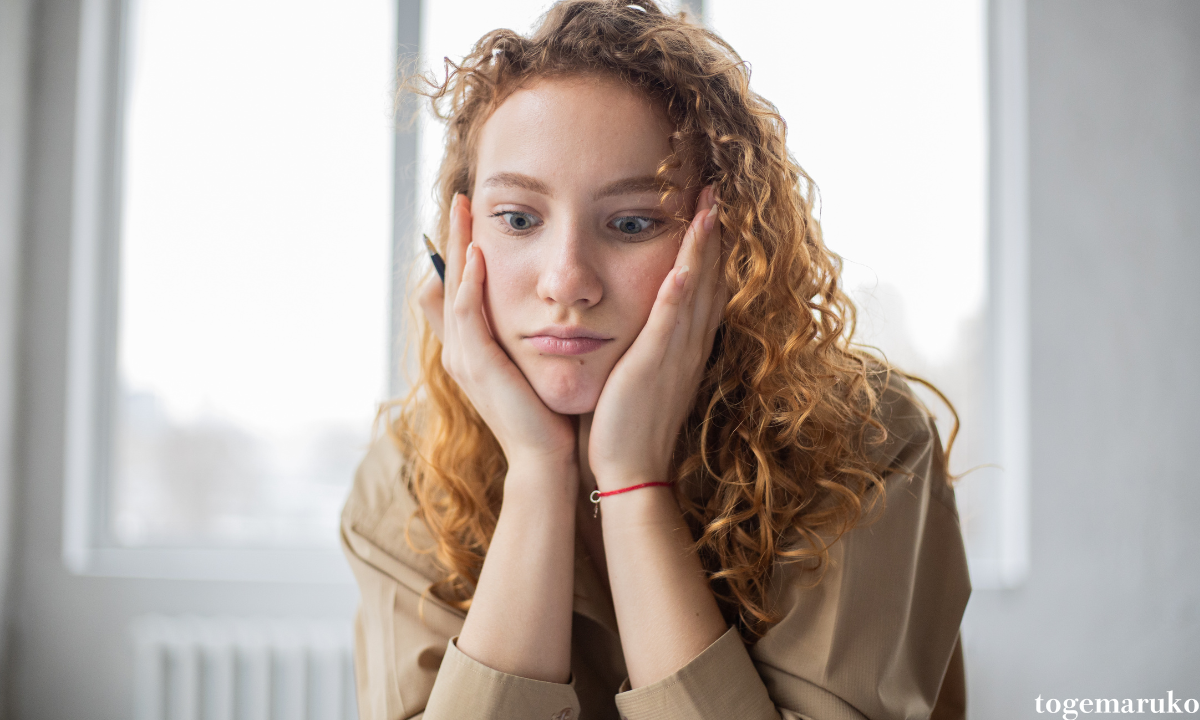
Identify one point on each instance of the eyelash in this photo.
(507, 227)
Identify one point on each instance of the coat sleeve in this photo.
(406, 663)
(874, 639)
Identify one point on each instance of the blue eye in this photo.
(518, 221)
(632, 224)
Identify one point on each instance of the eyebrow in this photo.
(518, 180)
(634, 185)
(626, 186)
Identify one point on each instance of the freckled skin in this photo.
(575, 267)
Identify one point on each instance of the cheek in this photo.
(511, 282)
(637, 281)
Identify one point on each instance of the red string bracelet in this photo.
(596, 494)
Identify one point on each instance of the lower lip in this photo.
(550, 345)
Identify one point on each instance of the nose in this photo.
(568, 275)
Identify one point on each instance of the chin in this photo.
(567, 391)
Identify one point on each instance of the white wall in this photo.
(1112, 604)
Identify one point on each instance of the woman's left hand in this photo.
(651, 389)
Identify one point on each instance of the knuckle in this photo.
(430, 298)
(426, 304)
(430, 290)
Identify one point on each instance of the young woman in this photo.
(642, 473)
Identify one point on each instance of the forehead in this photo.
(576, 129)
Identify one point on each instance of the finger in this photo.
(431, 298)
(711, 234)
(716, 313)
(672, 323)
(476, 341)
(456, 248)
(663, 324)
(709, 260)
(460, 237)
(688, 255)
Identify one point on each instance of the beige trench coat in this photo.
(877, 638)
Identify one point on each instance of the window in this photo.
(230, 282)
(254, 250)
(241, 278)
(887, 105)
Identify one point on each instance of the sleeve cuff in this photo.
(466, 688)
(720, 682)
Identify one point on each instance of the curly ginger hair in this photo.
(776, 447)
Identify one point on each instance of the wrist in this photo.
(614, 480)
(541, 460)
(542, 479)
(650, 505)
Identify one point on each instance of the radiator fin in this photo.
(193, 668)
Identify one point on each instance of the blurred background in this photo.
(208, 216)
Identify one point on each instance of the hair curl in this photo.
(776, 448)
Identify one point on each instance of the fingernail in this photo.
(710, 220)
(681, 276)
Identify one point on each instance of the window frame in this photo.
(1009, 345)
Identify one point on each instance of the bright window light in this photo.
(254, 262)
(886, 109)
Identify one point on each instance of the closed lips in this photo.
(567, 341)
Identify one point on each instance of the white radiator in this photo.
(191, 668)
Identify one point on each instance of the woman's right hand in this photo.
(526, 429)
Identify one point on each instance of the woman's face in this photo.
(566, 211)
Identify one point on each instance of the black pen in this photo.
(438, 263)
